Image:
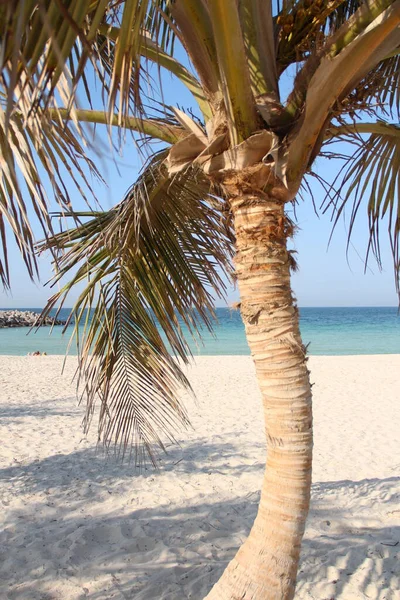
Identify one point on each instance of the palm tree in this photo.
(220, 183)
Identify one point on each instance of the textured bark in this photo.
(265, 567)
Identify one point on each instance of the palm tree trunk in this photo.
(265, 567)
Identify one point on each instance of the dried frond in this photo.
(45, 48)
(370, 179)
(153, 262)
(29, 149)
(37, 39)
(379, 91)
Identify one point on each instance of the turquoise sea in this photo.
(328, 331)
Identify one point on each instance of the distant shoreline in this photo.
(13, 318)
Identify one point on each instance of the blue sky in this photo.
(327, 277)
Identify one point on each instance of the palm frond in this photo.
(150, 51)
(379, 91)
(37, 39)
(45, 48)
(303, 26)
(153, 263)
(36, 152)
(370, 179)
(356, 48)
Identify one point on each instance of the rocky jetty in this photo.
(25, 318)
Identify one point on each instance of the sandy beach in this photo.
(75, 525)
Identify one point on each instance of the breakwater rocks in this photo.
(25, 318)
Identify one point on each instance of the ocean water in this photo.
(327, 331)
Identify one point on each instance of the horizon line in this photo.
(233, 307)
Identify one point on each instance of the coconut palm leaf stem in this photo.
(380, 128)
(151, 127)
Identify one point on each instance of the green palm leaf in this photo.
(153, 263)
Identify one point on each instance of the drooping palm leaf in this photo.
(150, 52)
(379, 91)
(45, 49)
(29, 148)
(370, 179)
(154, 260)
(36, 42)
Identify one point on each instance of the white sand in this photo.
(76, 527)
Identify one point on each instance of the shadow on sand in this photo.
(17, 412)
(172, 551)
